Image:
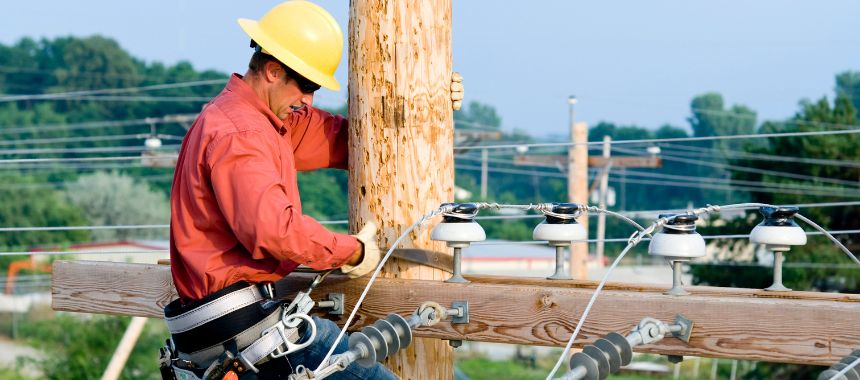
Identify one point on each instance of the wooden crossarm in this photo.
(793, 327)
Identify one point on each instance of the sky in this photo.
(627, 62)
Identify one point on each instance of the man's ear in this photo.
(273, 72)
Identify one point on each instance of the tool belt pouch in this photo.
(223, 322)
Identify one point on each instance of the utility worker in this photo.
(236, 214)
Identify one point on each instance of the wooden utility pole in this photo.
(577, 188)
(123, 350)
(401, 141)
(604, 187)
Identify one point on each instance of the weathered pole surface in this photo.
(401, 140)
(577, 187)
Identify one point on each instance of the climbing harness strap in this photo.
(202, 332)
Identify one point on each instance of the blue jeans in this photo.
(312, 355)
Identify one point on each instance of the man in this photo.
(236, 216)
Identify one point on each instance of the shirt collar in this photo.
(238, 86)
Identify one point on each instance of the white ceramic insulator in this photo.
(778, 235)
(677, 246)
(458, 234)
(152, 143)
(558, 234)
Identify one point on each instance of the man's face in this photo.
(285, 94)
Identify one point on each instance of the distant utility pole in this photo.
(604, 188)
(484, 169)
(577, 187)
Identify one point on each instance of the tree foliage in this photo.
(80, 348)
(24, 205)
(113, 199)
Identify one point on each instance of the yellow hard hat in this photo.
(303, 36)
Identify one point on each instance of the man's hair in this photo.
(258, 66)
(259, 60)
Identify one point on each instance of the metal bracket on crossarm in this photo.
(334, 302)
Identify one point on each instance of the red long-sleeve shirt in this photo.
(235, 207)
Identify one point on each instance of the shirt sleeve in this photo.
(319, 139)
(254, 203)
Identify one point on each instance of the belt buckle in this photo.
(267, 289)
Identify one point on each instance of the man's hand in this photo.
(370, 259)
(456, 91)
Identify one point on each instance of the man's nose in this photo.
(307, 99)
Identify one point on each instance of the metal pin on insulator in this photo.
(458, 230)
(560, 229)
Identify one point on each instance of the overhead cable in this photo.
(614, 178)
(70, 159)
(674, 139)
(140, 98)
(63, 95)
(734, 154)
(178, 118)
(57, 140)
(117, 227)
(54, 253)
(109, 149)
(777, 185)
(670, 157)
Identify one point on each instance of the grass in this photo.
(481, 368)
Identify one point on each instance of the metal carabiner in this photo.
(319, 279)
(292, 321)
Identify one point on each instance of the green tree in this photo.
(848, 85)
(80, 348)
(817, 115)
(711, 118)
(115, 199)
(27, 205)
(667, 131)
(476, 115)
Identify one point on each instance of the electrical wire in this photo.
(54, 167)
(658, 175)
(70, 94)
(649, 213)
(62, 184)
(673, 139)
(513, 171)
(765, 190)
(55, 253)
(588, 310)
(57, 140)
(384, 259)
(696, 180)
(765, 157)
(118, 227)
(669, 157)
(71, 159)
(639, 235)
(178, 118)
(829, 236)
(114, 149)
(116, 98)
(698, 185)
(623, 240)
(86, 228)
(683, 178)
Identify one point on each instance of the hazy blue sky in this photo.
(627, 61)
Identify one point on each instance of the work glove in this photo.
(456, 91)
(367, 237)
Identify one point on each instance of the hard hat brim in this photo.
(253, 30)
